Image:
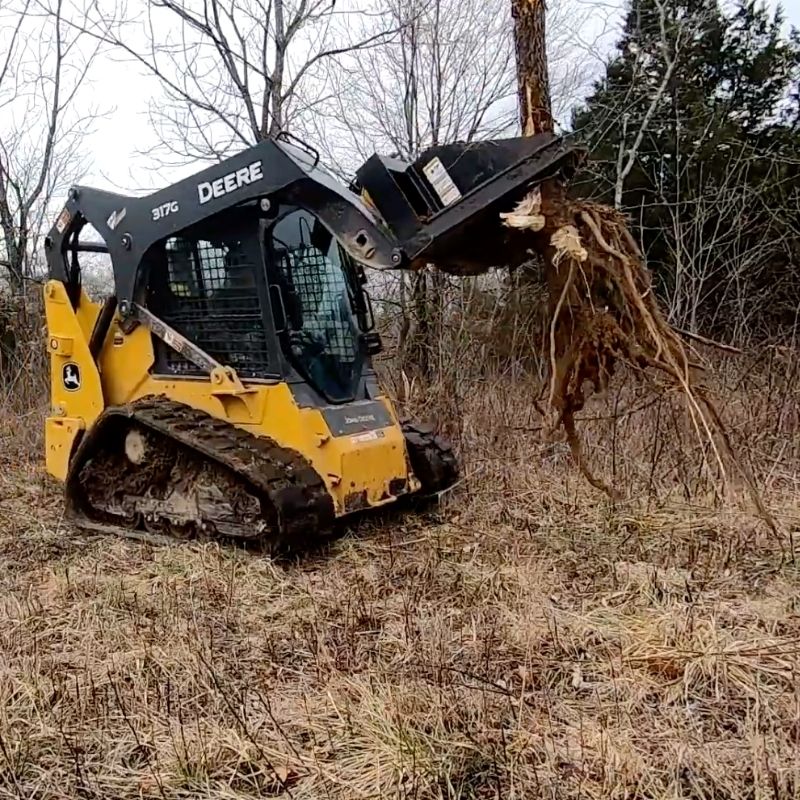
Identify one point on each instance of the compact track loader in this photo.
(225, 387)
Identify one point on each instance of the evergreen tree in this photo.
(706, 102)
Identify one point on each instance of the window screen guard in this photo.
(211, 297)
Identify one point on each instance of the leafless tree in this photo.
(43, 66)
(633, 136)
(579, 35)
(725, 237)
(232, 71)
(448, 75)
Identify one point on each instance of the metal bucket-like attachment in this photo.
(444, 207)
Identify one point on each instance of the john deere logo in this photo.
(71, 377)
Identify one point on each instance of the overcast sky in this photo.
(117, 147)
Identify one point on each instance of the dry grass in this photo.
(531, 638)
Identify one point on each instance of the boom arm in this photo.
(130, 225)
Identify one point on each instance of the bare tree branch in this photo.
(670, 60)
(55, 109)
(40, 132)
(233, 71)
(12, 44)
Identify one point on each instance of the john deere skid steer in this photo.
(225, 387)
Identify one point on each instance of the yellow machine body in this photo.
(358, 469)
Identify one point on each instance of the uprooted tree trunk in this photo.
(602, 310)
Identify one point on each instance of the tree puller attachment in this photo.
(225, 387)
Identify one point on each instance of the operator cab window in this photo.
(207, 290)
(321, 336)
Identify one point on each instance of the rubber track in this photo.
(283, 478)
(431, 456)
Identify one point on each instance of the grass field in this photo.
(529, 638)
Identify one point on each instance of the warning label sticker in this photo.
(441, 181)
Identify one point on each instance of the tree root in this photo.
(603, 313)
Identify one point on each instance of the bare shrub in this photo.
(24, 376)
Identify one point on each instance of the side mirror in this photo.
(368, 321)
(372, 342)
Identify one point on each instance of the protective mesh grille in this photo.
(322, 294)
(213, 300)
